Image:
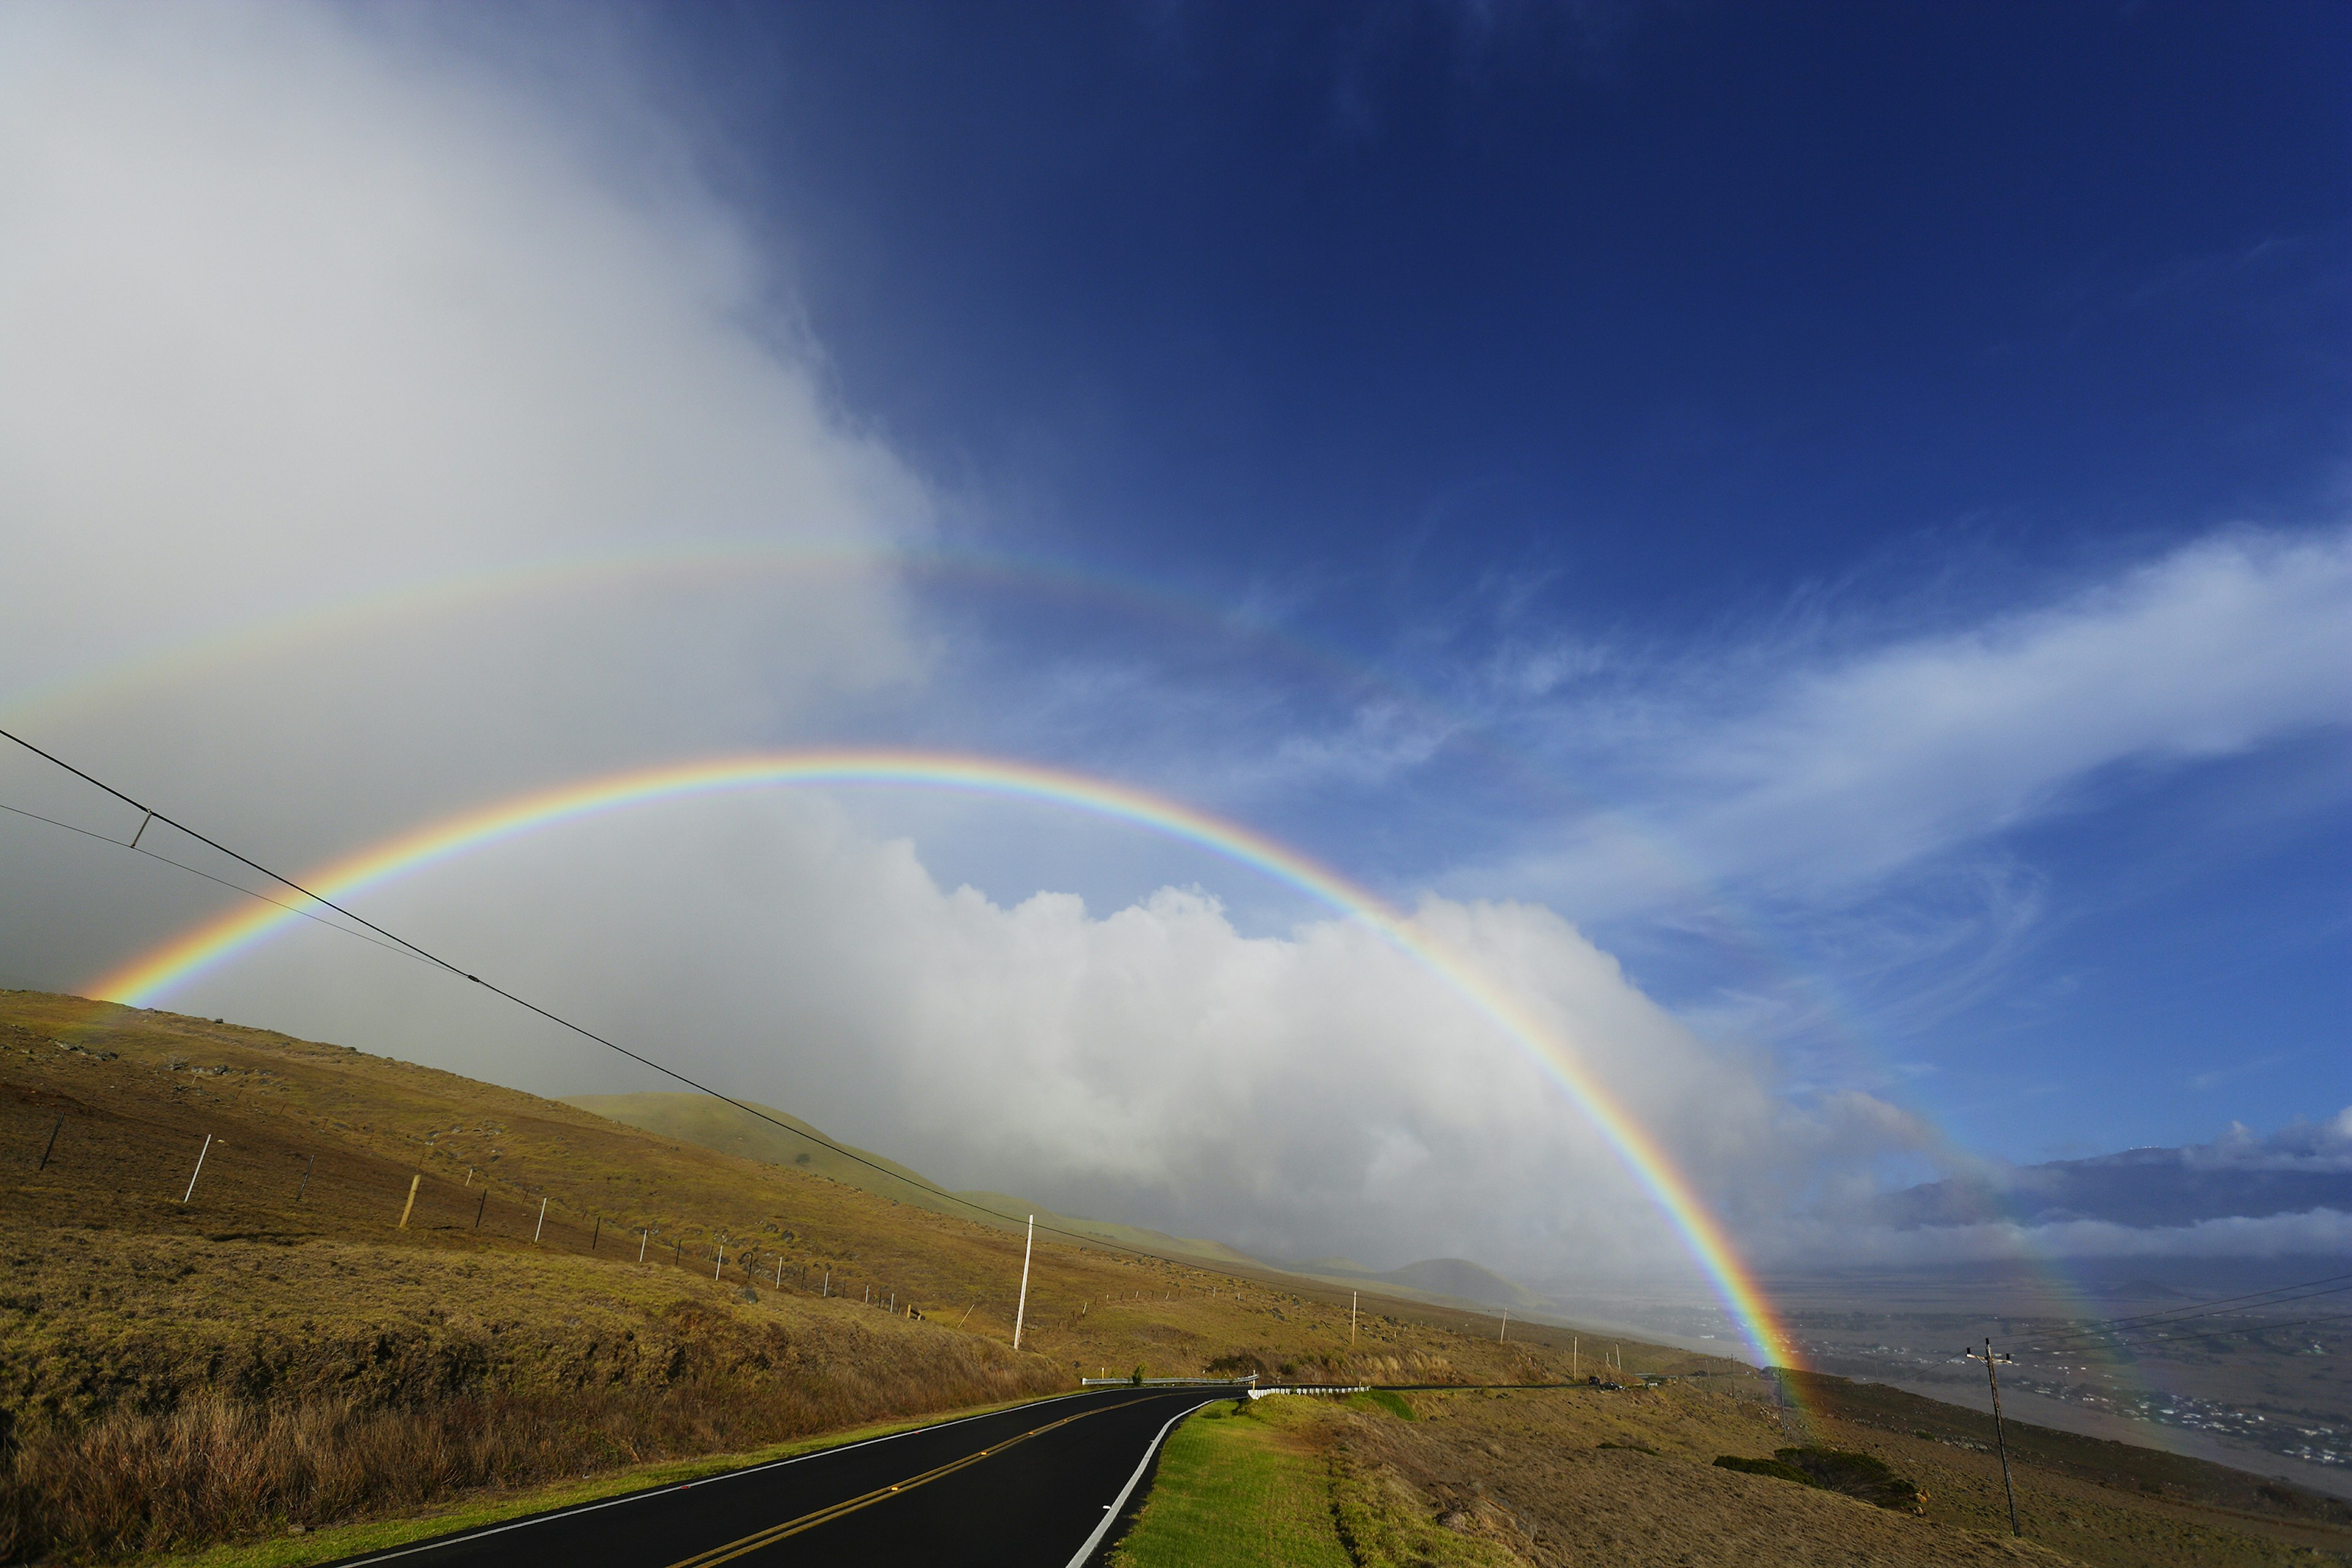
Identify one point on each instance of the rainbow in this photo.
(149, 977)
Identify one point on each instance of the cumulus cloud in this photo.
(2313, 1146)
(1297, 1094)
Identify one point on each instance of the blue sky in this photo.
(1681, 336)
(1814, 540)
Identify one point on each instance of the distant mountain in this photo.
(2238, 1177)
(1447, 1278)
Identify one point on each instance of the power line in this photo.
(207, 876)
(411, 948)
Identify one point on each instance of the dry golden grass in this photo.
(177, 1373)
(1578, 1476)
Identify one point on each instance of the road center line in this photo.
(773, 1533)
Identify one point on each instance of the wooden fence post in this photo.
(480, 1207)
(410, 1204)
(50, 1145)
(304, 1185)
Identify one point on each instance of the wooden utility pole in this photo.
(51, 1146)
(1505, 1331)
(1351, 1317)
(1992, 1381)
(304, 1184)
(1021, 1312)
(406, 1208)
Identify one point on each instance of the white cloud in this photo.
(291, 309)
(2314, 1233)
(1816, 777)
(2323, 1146)
(1298, 1094)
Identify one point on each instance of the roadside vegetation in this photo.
(276, 1371)
(569, 1298)
(1494, 1478)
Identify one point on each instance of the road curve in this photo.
(1037, 1487)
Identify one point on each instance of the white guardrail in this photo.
(1255, 1391)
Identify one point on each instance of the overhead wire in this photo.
(207, 876)
(412, 949)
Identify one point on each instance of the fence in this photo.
(197, 1163)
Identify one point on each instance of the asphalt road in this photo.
(1038, 1486)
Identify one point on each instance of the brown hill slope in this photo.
(567, 1294)
(715, 1124)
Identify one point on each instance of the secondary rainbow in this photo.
(147, 978)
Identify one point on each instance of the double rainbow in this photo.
(149, 977)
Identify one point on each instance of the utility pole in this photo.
(1021, 1312)
(1992, 1381)
(1351, 1317)
(1505, 1331)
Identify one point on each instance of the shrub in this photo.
(1779, 1470)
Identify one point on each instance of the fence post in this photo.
(47, 1148)
(480, 1207)
(596, 1238)
(304, 1184)
(543, 1222)
(408, 1207)
(199, 1170)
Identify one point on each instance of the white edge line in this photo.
(1120, 1502)
(664, 1488)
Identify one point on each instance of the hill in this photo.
(249, 1282)
(1445, 1279)
(716, 1124)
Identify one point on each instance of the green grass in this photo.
(1235, 1488)
(1385, 1401)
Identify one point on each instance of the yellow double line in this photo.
(773, 1533)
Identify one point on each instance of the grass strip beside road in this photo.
(335, 1543)
(1233, 1488)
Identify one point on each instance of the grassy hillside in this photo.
(715, 1124)
(1498, 1479)
(567, 1296)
